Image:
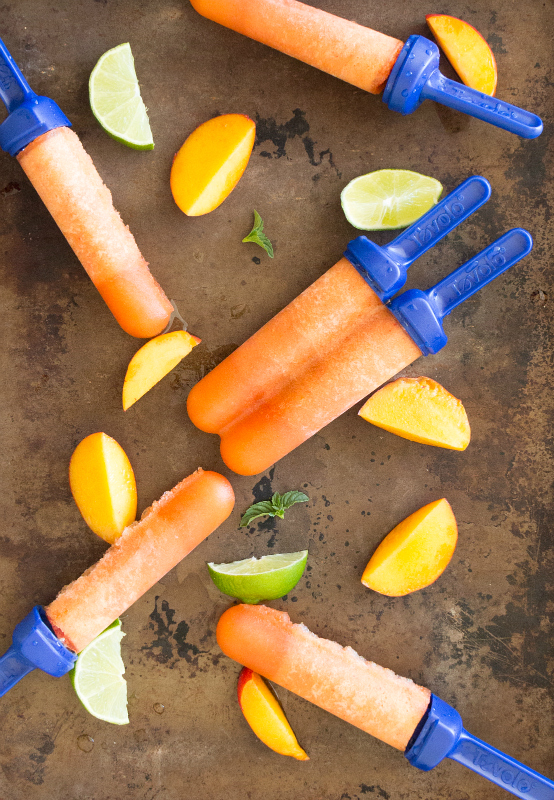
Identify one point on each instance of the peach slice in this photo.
(467, 51)
(419, 409)
(103, 485)
(154, 360)
(265, 716)
(415, 553)
(211, 162)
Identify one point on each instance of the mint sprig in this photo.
(257, 235)
(275, 507)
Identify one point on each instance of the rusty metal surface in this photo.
(479, 637)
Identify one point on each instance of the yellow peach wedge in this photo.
(415, 553)
(419, 409)
(103, 485)
(467, 51)
(153, 361)
(211, 162)
(265, 716)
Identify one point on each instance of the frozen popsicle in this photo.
(52, 156)
(330, 676)
(326, 350)
(342, 48)
(339, 341)
(363, 57)
(375, 699)
(144, 553)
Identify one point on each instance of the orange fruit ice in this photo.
(211, 162)
(70, 187)
(332, 677)
(415, 553)
(265, 716)
(146, 550)
(351, 52)
(467, 51)
(419, 409)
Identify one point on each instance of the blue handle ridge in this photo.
(34, 645)
(421, 313)
(29, 115)
(385, 268)
(415, 77)
(441, 734)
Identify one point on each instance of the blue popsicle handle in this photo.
(13, 667)
(34, 645)
(479, 271)
(385, 268)
(416, 77)
(14, 89)
(482, 106)
(440, 220)
(29, 115)
(501, 769)
(441, 734)
(421, 313)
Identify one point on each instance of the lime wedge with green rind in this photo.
(98, 677)
(254, 580)
(115, 99)
(388, 199)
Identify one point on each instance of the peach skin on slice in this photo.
(419, 409)
(415, 553)
(265, 716)
(211, 162)
(154, 360)
(103, 485)
(467, 51)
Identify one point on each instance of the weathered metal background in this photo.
(479, 637)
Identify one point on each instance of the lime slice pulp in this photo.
(115, 99)
(253, 580)
(98, 677)
(388, 199)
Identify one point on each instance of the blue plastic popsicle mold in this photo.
(29, 115)
(385, 268)
(34, 646)
(415, 77)
(421, 313)
(441, 734)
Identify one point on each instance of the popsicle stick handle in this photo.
(421, 313)
(482, 106)
(34, 644)
(416, 77)
(479, 271)
(13, 667)
(439, 220)
(501, 769)
(14, 89)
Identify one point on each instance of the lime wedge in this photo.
(97, 677)
(388, 199)
(115, 99)
(253, 580)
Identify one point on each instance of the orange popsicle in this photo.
(348, 51)
(324, 352)
(63, 174)
(330, 676)
(144, 553)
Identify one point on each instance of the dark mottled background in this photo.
(480, 637)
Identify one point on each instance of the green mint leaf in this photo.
(275, 507)
(277, 501)
(264, 508)
(290, 498)
(257, 235)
